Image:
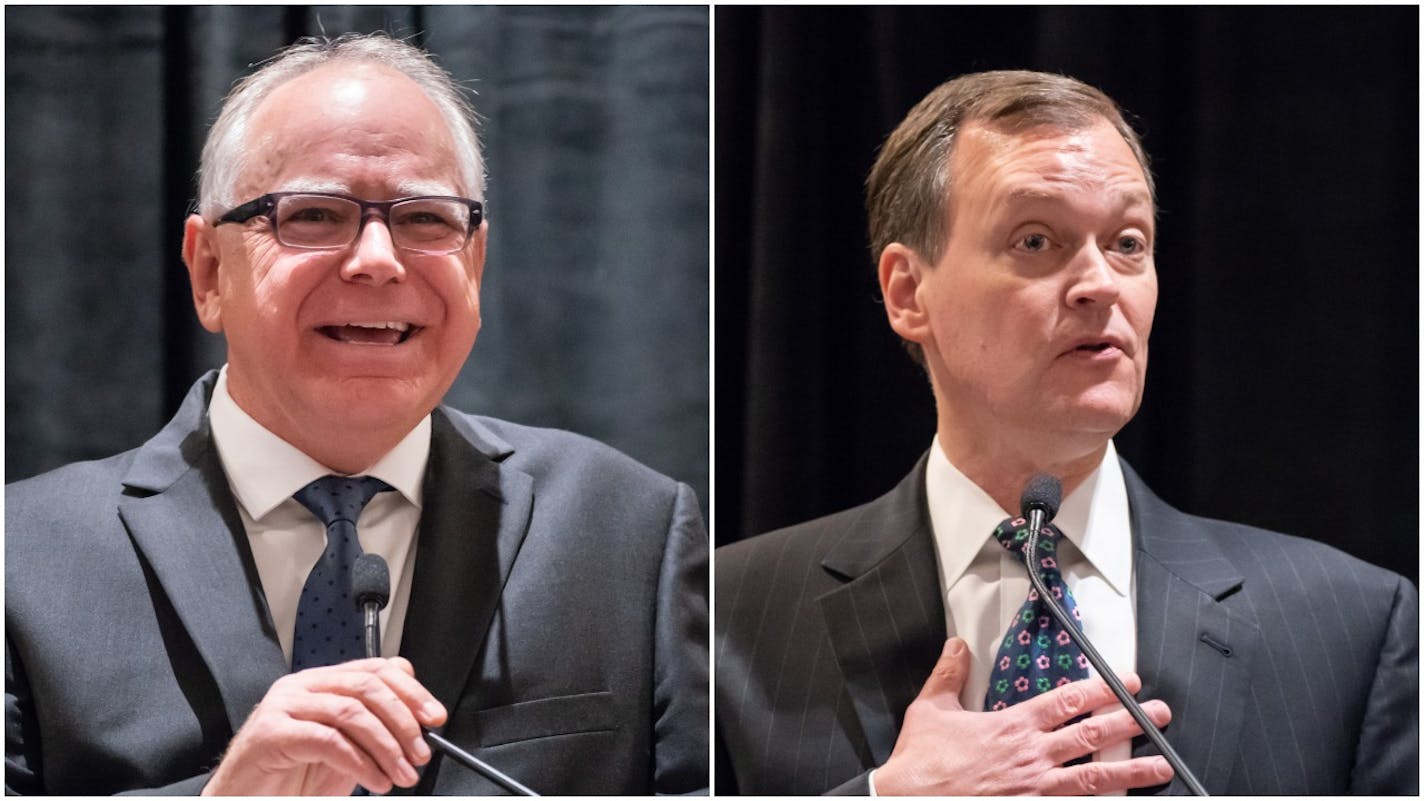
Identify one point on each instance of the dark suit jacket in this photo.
(1290, 667)
(558, 610)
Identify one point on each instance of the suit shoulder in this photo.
(65, 491)
(1292, 565)
(816, 535)
(556, 455)
(758, 560)
(547, 446)
(59, 520)
(1281, 562)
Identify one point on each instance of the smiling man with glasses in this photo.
(547, 595)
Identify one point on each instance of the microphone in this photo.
(1039, 500)
(371, 587)
(1039, 503)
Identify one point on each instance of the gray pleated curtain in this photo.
(595, 302)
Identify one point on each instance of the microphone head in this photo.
(370, 581)
(1044, 493)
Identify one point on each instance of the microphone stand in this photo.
(371, 610)
(1035, 522)
(483, 768)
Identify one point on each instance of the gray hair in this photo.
(225, 154)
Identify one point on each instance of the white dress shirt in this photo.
(264, 471)
(985, 585)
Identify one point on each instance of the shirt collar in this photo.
(1094, 517)
(264, 470)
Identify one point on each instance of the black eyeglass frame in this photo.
(266, 206)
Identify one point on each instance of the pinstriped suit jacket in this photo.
(826, 631)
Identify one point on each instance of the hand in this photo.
(324, 730)
(944, 749)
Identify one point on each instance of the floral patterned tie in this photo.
(1036, 654)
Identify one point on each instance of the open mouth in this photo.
(383, 333)
(1094, 347)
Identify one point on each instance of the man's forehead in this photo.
(397, 187)
(333, 99)
(1044, 162)
(348, 80)
(986, 139)
(351, 128)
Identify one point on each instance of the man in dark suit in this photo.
(547, 594)
(1013, 215)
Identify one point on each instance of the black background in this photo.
(1283, 386)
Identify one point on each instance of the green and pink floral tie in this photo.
(1036, 654)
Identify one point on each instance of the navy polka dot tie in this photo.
(329, 626)
(1036, 654)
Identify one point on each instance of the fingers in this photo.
(355, 722)
(1092, 734)
(427, 709)
(279, 751)
(947, 679)
(308, 742)
(401, 703)
(1056, 707)
(1096, 778)
(388, 689)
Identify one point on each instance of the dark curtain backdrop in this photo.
(1283, 387)
(595, 128)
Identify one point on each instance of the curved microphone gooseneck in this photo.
(1038, 504)
(371, 587)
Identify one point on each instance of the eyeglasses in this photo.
(433, 225)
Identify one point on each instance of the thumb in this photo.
(947, 678)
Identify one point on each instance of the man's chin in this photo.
(354, 406)
(359, 402)
(1100, 410)
(1102, 419)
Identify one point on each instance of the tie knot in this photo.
(333, 498)
(1013, 534)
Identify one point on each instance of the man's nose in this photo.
(373, 258)
(1094, 281)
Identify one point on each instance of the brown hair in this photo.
(907, 192)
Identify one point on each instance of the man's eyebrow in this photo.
(413, 188)
(314, 185)
(402, 188)
(1134, 195)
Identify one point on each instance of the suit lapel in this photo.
(886, 624)
(179, 511)
(475, 515)
(886, 621)
(1193, 651)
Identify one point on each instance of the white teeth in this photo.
(401, 327)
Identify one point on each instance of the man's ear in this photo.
(201, 254)
(479, 240)
(901, 273)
